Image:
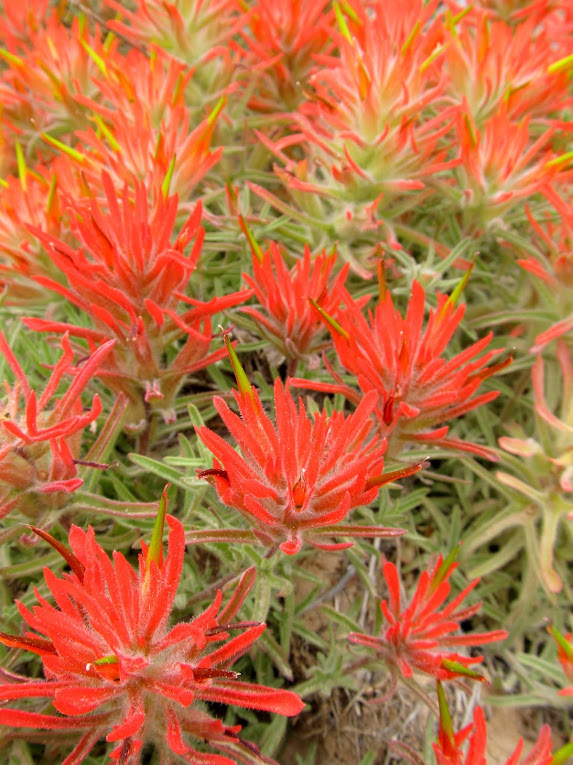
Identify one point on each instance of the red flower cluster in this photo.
(114, 668)
(289, 320)
(129, 279)
(420, 636)
(296, 480)
(40, 445)
(404, 364)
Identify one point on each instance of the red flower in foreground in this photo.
(448, 749)
(420, 636)
(114, 669)
(295, 481)
(40, 444)
(404, 363)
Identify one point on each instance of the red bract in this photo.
(289, 320)
(449, 750)
(296, 480)
(114, 669)
(39, 446)
(417, 387)
(128, 277)
(420, 636)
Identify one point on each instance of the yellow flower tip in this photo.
(98, 60)
(73, 153)
(343, 26)
(562, 159)
(471, 130)
(219, 106)
(253, 244)
(103, 128)
(328, 320)
(107, 667)
(22, 169)
(11, 58)
(411, 36)
(560, 65)
(245, 387)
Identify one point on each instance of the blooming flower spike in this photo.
(113, 668)
(40, 441)
(296, 479)
(420, 636)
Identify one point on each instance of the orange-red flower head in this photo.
(115, 669)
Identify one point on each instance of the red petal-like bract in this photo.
(421, 635)
(295, 481)
(119, 671)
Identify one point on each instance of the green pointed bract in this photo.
(461, 669)
(73, 153)
(561, 641)
(561, 64)
(98, 60)
(107, 133)
(457, 293)
(446, 725)
(219, 106)
(332, 323)
(563, 755)
(342, 23)
(106, 660)
(155, 550)
(168, 176)
(253, 244)
(243, 383)
(444, 568)
(22, 169)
